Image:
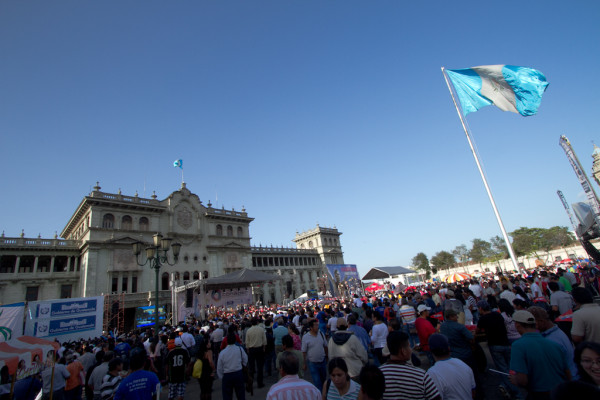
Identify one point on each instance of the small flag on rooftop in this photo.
(178, 163)
(508, 87)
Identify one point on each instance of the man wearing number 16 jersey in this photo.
(178, 361)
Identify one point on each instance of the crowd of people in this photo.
(542, 331)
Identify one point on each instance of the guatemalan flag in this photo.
(508, 87)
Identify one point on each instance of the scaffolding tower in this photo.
(114, 312)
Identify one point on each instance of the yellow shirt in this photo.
(256, 337)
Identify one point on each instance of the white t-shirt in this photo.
(453, 378)
(332, 324)
(379, 334)
(535, 290)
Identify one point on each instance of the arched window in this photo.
(144, 224)
(126, 223)
(186, 276)
(229, 231)
(196, 275)
(165, 281)
(219, 230)
(335, 242)
(302, 246)
(176, 276)
(205, 275)
(240, 231)
(108, 221)
(310, 244)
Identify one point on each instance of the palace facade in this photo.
(94, 254)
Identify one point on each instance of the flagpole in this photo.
(511, 252)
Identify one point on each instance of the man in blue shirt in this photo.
(140, 384)
(552, 332)
(536, 363)
(359, 331)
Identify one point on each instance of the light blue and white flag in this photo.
(178, 163)
(508, 87)
(11, 321)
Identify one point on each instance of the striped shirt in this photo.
(408, 314)
(110, 384)
(290, 387)
(407, 383)
(352, 393)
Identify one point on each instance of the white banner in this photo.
(228, 298)
(11, 321)
(66, 319)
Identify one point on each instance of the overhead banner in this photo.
(228, 298)
(11, 321)
(65, 320)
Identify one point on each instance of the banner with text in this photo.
(65, 319)
(228, 298)
(11, 321)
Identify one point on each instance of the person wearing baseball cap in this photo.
(536, 363)
(424, 330)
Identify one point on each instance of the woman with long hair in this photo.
(339, 385)
(507, 310)
(293, 332)
(208, 371)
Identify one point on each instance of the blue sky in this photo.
(304, 112)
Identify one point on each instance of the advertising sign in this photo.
(65, 319)
(343, 272)
(56, 327)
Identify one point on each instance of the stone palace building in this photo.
(95, 256)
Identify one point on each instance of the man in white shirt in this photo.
(507, 294)
(229, 369)
(476, 288)
(453, 378)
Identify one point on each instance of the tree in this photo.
(443, 259)
(420, 262)
(480, 250)
(559, 236)
(461, 253)
(499, 249)
(529, 241)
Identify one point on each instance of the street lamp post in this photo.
(156, 255)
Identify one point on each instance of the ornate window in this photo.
(165, 281)
(126, 223)
(144, 224)
(310, 244)
(219, 230)
(108, 221)
(196, 275)
(186, 276)
(240, 232)
(230, 231)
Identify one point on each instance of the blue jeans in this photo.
(231, 381)
(318, 372)
(501, 357)
(412, 337)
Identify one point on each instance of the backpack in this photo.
(197, 371)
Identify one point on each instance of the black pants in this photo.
(256, 355)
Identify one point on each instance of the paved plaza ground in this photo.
(490, 384)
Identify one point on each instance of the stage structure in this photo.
(229, 291)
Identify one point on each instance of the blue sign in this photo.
(65, 326)
(66, 308)
(343, 272)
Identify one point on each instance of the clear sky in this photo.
(304, 112)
